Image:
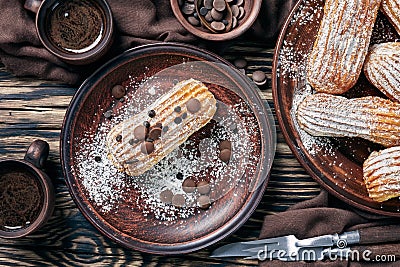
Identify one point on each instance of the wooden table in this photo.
(34, 109)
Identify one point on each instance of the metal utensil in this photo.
(289, 248)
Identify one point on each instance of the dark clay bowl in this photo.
(251, 7)
(338, 166)
(125, 221)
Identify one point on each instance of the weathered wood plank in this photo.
(37, 110)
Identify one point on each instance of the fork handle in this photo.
(379, 234)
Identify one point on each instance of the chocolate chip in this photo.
(225, 155)
(165, 129)
(208, 17)
(218, 26)
(175, 81)
(208, 4)
(118, 91)
(177, 109)
(119, 138)
(235, 11)
(140, 132)
(203, 11)
(216, 15)
(178, 200)
(194, 21)
(204, 202)
(184, 115)
(152, 114)
(259, 77)
(155, 133)
(97, 159)
(219, 5)
(226, 144)
(188, 186)
(179, 176)
(166, 196)
(188, 8)
(203, 187)
(146, 124)
(193, 105)
(178, 120)
(240, 63)
(242, 12)
(147, 147)
(108, 114)
(234, 24)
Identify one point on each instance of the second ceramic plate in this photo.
(335, 163)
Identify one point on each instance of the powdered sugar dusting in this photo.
(106, 187)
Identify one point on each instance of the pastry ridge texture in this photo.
(128, 158)
(341, 46)
(372, 118)
(391, 8)
(381, 172)
(382, 68)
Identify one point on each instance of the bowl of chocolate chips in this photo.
(216, 20)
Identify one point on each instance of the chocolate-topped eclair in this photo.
(138, 143)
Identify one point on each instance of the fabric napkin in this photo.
(325, 214)
(271, 18)
(137, 22)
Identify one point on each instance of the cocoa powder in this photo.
(21, 199)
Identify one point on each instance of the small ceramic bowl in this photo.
(54, 23)
(251, 9)
(29, 190)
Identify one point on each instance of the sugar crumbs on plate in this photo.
(159, 191)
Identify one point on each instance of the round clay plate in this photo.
(335, 163)
(135, 211)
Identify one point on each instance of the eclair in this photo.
(391, 8)
(382, 68)
(138, 143)
(381, 172)
(372, 118)
(341, 45)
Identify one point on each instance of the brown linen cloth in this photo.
(272, 16)
(325, 214)
(137, 22)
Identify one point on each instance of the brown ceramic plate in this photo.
(334, 163)
(128, 209)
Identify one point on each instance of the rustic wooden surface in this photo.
(32, 109)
